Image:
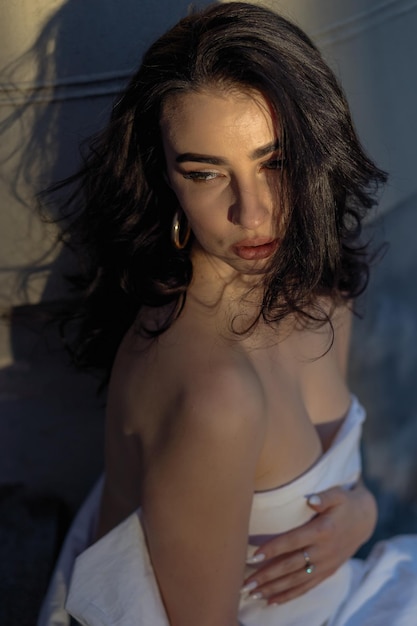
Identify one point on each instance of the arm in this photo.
(344, 521)
(197, 497)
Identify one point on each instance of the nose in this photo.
(250, 205)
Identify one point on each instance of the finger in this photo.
(282, 587)
(317, 531)
(280, 568)
(295, 592)
(327, 499)
(281, 545)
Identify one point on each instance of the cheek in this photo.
(197, 200)
(206, 207)
(201, 223)
(206, 223)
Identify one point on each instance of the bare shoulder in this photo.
(185, 375)
(223, 395)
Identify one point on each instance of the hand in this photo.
(345, 520)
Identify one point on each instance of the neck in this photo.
(223, 296)
(215, 283)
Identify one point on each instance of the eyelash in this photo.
(201, 177)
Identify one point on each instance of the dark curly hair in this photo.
(122, 208)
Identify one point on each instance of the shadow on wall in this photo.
(82, 57)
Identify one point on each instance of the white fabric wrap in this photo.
(134, 599)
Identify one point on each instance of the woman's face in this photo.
(223, 162)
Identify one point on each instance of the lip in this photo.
(254, 249)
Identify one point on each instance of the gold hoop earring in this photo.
(175, 233)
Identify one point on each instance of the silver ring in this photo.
(309, 567)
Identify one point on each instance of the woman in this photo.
(221, 217)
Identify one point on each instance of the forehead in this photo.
(216, 119)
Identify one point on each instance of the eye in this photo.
(274, 164)
(201, 176)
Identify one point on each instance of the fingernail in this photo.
(314, 500)
(256, 558)
(249, 587)
(256, 596)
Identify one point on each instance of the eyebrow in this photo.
(258, 153)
